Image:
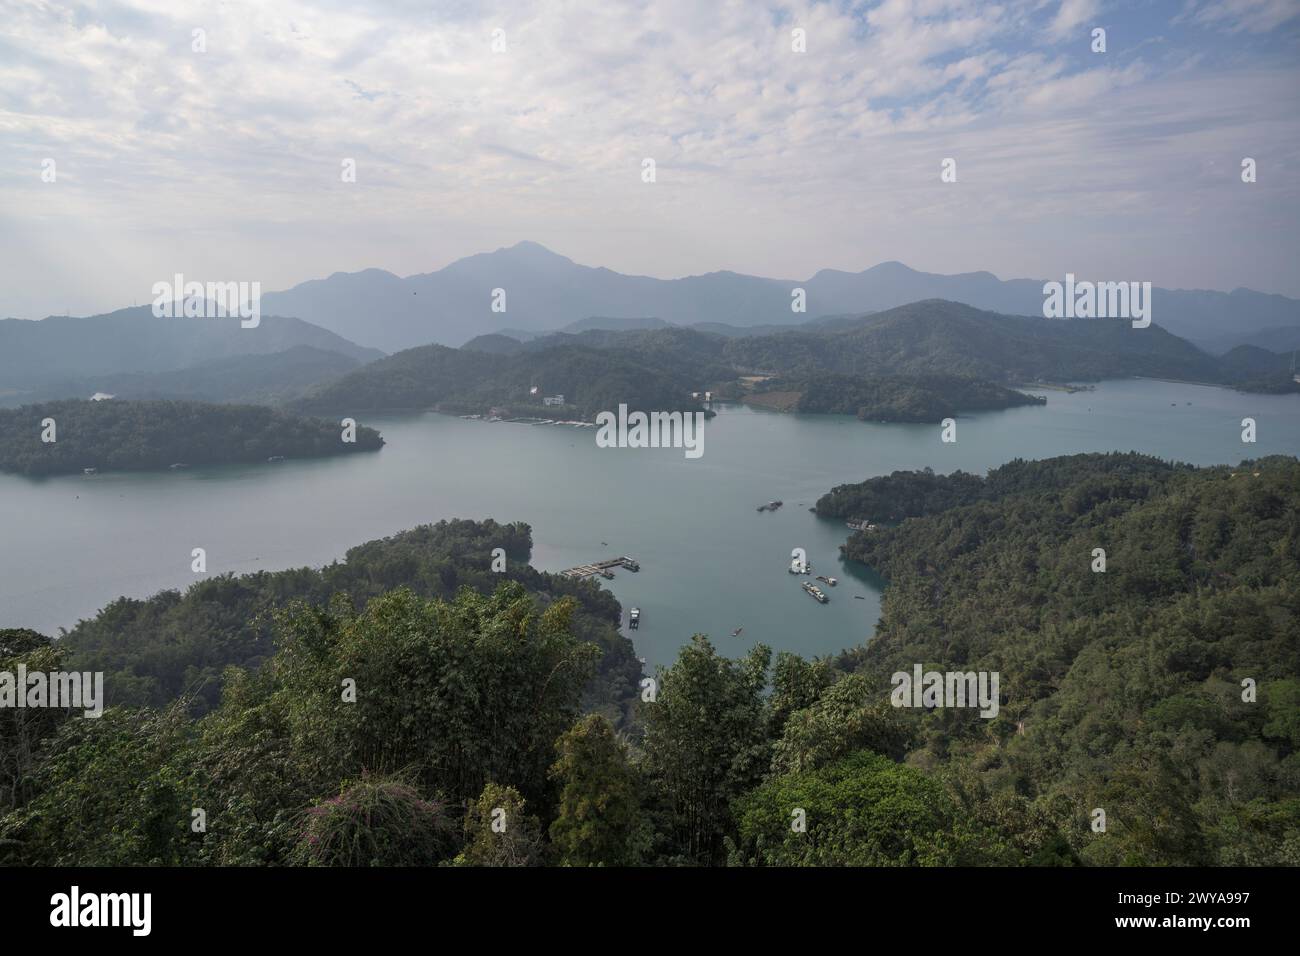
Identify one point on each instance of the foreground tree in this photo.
(114, 790)
(706, 743)
(24, 730)
(865, 810)
(500, 832)
(599, 822)
(458, 693)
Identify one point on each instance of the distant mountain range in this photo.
(132, 352)
(545, 292)
(900, 364)
(885, 321)
(270, 379)
(927, 338)
(1283, 339)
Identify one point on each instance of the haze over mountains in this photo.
(955, 353)
(929, 324)
(546, 291)
(133, 354)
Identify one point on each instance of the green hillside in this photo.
(116, 435)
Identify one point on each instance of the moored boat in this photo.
(816, 592)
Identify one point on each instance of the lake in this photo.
(709, 561)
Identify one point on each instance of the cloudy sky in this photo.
(225, 163)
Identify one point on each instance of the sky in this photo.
(474, 125)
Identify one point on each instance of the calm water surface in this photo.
(710, 563)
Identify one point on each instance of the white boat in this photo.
(816, 592)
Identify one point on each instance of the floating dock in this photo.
(602, 568)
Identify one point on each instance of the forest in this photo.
(153, 651)
(1162, 685)
(896, 398)
(115, 435)
(467, 381)
(394, 708)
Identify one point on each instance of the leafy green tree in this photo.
(500, 832)
(847, 717)
(599, 820)
(1150, 820)
(1282, 705)
(24, 730)
(865, 810)
(113, 790)
(706, 742)
(796, 684)
(454, 692)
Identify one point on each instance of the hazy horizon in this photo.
(145, 300)
(225, 163)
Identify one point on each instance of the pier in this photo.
(602, 568)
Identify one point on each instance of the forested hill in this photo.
(124, 435)
(948, 338)
(35, 355)
(921, 362)
(911, 494)
(154, 650)
(1127, 689)
(912, 398)
(471, 381)
(924, 339)
(254, 379)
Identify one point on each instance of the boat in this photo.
(816, 592)
(630, 564)
(607, 574)
(276, 458)
(90, 471)
(825, 580)
(736, 632)
(859, 526)
(799, 567)
(634, 618)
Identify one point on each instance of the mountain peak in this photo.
(893, 265)
(526, 248)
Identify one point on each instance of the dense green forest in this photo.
(390, 709)
(935, 337)
(909, 494)
(918, 363)
(1164, 689)
(893, 398)
(115, 435)
(155, 650)
(470, 381)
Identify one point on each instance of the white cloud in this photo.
(1073, 14)
(1236, 16)
(769, 161)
